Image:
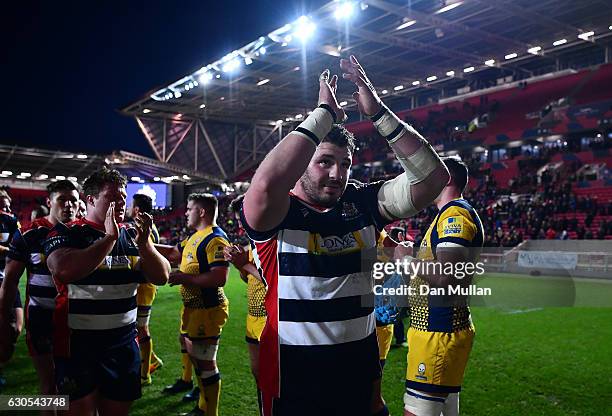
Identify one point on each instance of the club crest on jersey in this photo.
(304, 212)
(421, 370)
(349, 211)
(334, 243)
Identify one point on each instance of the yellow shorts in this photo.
(254, 328)
(437, 360)
(203, 323)
(384, 334)
(145, 294)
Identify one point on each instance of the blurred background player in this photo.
(97, 263)
(144, 298)
(256, 292)
(441, 332)
(202, 274)
(391, 246)
(40, 211)
(26, 252)
(82, 211)
(11, 321)
(310, 228)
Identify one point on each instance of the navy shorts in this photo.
(39, 330)
(114, 371)
(319, 383)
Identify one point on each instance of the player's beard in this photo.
(315, 192)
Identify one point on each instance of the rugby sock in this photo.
(146, 347)
(212, 392)
(201, 397)
(187, 366)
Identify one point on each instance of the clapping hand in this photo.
(367, 100)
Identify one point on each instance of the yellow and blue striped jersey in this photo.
(202, 251)
(457, 224)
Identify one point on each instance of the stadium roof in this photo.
(430, 49)
(31, 165)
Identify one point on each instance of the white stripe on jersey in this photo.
(35, 258)
(41, 280)
(293, 241)
(46, 303)
(326, 333)
(320, 288)
(102, 292)
(100, 322)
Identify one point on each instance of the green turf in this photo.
(530, 357)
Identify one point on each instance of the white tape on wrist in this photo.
(316, 126)
(387, 123)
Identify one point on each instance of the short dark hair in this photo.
(143, 202)
(341, 137)
(236, 204)
(63, 185)
(458, 171)
(95, 182)
(206, 201)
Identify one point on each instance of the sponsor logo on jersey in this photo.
(453, 226)
(334, 243)
(117, 262)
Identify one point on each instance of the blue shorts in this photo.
(39, 330)
(114, 372)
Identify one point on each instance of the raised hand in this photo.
(110, 223)
(367, 100)
(143, 224)
(327, 94)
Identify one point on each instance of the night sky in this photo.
(68, 66)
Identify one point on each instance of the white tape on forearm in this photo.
(420, 164)
(395, 199)
(318, 123)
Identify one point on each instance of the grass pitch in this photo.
(534, 354)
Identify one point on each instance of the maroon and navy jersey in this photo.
(319, 297)
(26, 247)
(8, 226)
(101, 307)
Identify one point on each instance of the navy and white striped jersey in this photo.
(101, 307)
(320, 298)
(8, 226)
(26, 247)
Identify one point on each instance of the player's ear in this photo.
(48, 202)
(89, 200)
